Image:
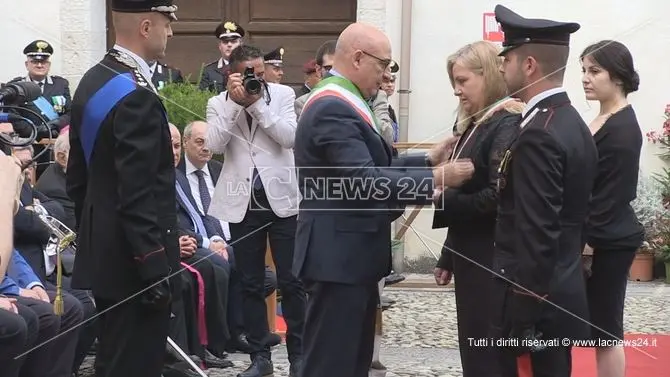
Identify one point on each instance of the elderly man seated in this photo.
(52, 182)
(196, 176)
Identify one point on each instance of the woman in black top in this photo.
(487, 123)
(613, 233)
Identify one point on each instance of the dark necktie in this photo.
(204, 191)
(41, 84)
(256, 181)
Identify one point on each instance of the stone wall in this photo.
(83, 36)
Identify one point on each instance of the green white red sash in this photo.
(339, 87)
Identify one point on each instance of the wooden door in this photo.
(299, 26)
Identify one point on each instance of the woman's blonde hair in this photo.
(481, 58)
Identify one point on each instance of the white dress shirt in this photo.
(195, 189)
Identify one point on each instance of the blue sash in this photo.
(98, 107)
(46, 109)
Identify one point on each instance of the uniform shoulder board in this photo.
(214, 63)
(17, 79)
(58, 78)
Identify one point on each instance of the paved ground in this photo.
(420, 330)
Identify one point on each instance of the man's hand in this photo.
(442, 276)
(29, 293)
(453, 174)
(441, 152)
(9, 304)
(41, 293)
(237, 92)
(219, 247)
(187, 246)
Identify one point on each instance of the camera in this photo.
(251, 84)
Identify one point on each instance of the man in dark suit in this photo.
(544, 188)
(199, 175)
(52, 182)
(343, 238)
(162, 74)
(120, 176)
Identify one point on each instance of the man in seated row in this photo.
(49, 346)
(197, 175)
(32, 238)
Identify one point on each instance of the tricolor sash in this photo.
(342, 88)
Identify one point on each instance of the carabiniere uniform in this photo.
(545, 181)
(126, 214)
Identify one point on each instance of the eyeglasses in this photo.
(384, 62)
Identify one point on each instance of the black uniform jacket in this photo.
(56, 92)
(344, 237)
(545, 186)
(121, 178)
(612, 223)
(214, 78)
(164, 74)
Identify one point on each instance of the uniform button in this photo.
(502, 271)
(169, 231)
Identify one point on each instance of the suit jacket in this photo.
(213, 166)
(302, 90)
(30, 233)
(52, 184)
(121, 178)
(186, 224)
(545, 185)
(19, 275)
(347, 238)
(268, 146)
(299, 103)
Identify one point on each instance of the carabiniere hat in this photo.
(140, 6)
(229, 29)
(275, 57)
(520, 31)
(39, 50)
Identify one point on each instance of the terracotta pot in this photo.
(642, 268)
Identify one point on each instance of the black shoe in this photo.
(239, 344)
(272, 339)
(294, 370)
(260, 367)
(393, 279)
(212, 361)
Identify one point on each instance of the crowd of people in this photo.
(171, 242)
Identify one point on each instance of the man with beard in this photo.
(120, 175)
(545, 181)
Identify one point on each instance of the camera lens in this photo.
(252, 86)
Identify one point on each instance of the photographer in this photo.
(253, 125)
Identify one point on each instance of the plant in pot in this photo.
(648, 207)
(660, 243)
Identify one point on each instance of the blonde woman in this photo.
(486, 124)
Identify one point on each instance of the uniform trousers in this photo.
(132, 338)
